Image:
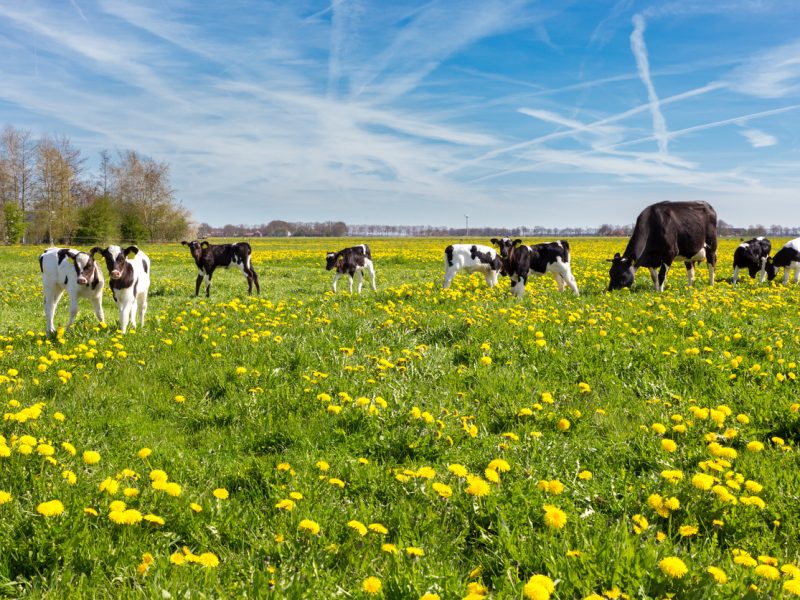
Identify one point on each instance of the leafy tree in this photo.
(14, 226)
(99, 222)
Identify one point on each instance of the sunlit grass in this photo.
(446, 442)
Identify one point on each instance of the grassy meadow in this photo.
(410, 443)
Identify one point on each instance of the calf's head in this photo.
(195, 247)
(506, 245)
(771, 269)
(84, 265)
(331, 259)
(115, 259)
(621, 273)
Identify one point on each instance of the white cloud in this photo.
(774, 73)
(643, 66)
(758, 138)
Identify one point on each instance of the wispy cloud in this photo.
(643, 67)
(758, 138)
(774, 73)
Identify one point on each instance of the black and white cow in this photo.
(787, 257)
(752, 255)
(472, 258)
(209, 257)
(74, 271)
(664, 232)
(129, 282)
(520, 261)
(350, 261)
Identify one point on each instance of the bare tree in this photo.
(57, 167)
(18, 152)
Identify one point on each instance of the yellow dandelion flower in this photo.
(90, 457)
(415, 552)
(371, 585)
(310, 526)
(220, 494)
(5, 497)
(389, 548)
(378, 528)
(554, 517)
(718, 574)
(358, 526)
(672, 566)
(52, 508)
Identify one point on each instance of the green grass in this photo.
(648, 358)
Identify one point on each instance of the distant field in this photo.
(444, 442)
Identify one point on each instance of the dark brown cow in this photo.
(664, 232)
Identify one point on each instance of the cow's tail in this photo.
(448, 255)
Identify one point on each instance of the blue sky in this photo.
(514, 112)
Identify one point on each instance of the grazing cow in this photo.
(350, 261)
(752, 255)
(208, 257)
(74, 271)
(787, 257)
(129, 282)
(664, 232)
(520, 261)
(471, 258)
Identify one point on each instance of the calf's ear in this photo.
(130, 249)
(204, 244)
(494, 241)
(515, 242)
(184, 243)
(94, 250)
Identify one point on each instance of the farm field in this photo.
(410, 443)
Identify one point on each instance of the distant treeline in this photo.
(46, 195)
(341, 229)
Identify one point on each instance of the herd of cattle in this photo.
(664, 232)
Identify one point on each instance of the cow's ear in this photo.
(130, 249)
(494, 241)
(515, 242)
(185, 243)
(95, 250)
(616, 256)
(204, 244)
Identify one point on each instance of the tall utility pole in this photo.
(466, 218)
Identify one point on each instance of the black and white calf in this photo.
(350, 261)
(208, 257)
(129, 282)
(664, 232)
(752, 255)
(471, 258)
(74, 271)
(520, 261)
(787, 257)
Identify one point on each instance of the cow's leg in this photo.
(208, 285)
(449, 274)
(797, 274)
(762, 273)
(97, 302)
(360, 279)
(336, 277)
(570, 278)
(654, 277)
(711, 259)
(73, 308)
(487, 275)
(142, 309)
(197, 283)
(559, 281)
(371, 269)
(350, 278)
(662, 276)
(50, 303)
(690, 272)
(735, 274)
(254, 275)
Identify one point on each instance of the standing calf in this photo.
(208, 257)
(551, 257)
(74, 271)
(351, 261)
(752, 255)
(471, 258)
(787, 257)
(129, 282)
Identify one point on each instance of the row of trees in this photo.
(276, 229)
(46, 196)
